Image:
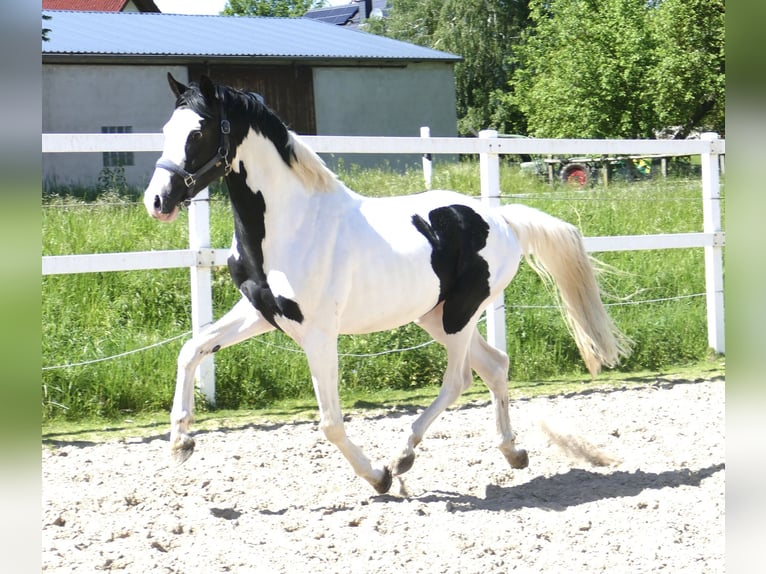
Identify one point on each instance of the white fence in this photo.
(200, 257)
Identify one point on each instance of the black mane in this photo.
(244, 110)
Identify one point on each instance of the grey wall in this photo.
(385, 101)
(354, 100)
(83, 98)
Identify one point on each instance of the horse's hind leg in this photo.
(492, 366)
(240, 323)
(457, 378)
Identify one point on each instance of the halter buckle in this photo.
(225, 127)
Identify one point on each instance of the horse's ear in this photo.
(177, 87)
(207, 88)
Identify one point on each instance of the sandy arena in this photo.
(277, 497)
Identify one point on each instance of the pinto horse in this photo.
(316, 260)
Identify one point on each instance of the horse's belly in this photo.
(388, 304)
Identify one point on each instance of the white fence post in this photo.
(425, 132)
(489, 167)
(201, 285)
(711, 211)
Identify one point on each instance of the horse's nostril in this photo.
(157, 202)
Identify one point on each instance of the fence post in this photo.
(425, 132)
(711, 212)
(489, 168)
(201, 286)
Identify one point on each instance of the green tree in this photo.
(413, 21)
(46, 31)
(621, 68)
(483, 32)
(689, 77)
(583, 69)
(279, 8)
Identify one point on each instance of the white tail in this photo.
(555, 250)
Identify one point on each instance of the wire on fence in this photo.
(357, 355)
(117, 356)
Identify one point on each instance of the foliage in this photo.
(621, 68)
(46, 31)
(483, 33)
(112, 180)
(91, 316)
(689, 78)
(584, 69)
(277, 8)
(576, 68)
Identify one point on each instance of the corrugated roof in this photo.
(150, 34)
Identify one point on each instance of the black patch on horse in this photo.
(457, 233)
(244, 110)
(247, 271)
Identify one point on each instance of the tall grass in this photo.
(91, 316)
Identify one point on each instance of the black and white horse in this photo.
(315, 260)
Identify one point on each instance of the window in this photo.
(117, 158)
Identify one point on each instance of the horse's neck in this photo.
(292, 193)
(306, 174)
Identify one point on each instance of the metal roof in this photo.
(136, 34)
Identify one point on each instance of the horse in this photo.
(315, 260)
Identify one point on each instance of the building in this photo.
(105, 72)
(102, 5)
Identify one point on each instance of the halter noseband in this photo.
(190, 179)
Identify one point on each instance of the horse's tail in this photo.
(555, 250)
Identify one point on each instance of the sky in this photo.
(206, 6)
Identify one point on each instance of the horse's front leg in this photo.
(240, 323)
(322, 353)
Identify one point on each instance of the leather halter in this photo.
(190, 179)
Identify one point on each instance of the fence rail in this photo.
(201, 257)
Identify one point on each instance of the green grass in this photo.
(151, 424)
(90, 316)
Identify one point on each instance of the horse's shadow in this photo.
(562, 491)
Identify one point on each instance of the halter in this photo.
(190, 179)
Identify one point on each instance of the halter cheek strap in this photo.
(190, 179)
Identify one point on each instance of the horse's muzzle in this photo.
(163, 209)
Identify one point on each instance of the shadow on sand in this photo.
(562, 491)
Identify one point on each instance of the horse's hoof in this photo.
(519, 459)
(183, 450)
(384, 484)
(403, 464)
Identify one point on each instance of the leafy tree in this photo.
(621, 68)
(413, 21)
(279, 8)
(46, 31)
(483, 32)
(583, 70)
(689, 77)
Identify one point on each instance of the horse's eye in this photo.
(195, 135)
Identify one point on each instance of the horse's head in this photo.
(196, 150)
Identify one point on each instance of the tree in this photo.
(690, 74)
(483, 32)
(46, 31)
(279, 8)
(413, 21)
(621, 68)
(584, 69)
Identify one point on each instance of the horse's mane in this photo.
(250, 108)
